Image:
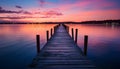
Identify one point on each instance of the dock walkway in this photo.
(61, 52)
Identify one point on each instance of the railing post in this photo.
(51, 32)
(72, 33)
(85, 44)
(54, 29)
(59, 25)
(38, 43)
(76, 35)
(47, 33)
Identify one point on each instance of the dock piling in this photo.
(54, 29)
(38, 43)
(76, 35)
(72, 33)
(47, 35)
(51, 32)
(85, 44)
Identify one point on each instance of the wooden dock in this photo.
(61, 52)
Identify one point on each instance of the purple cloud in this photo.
(22, 17)
(11, 17)
(53, 13)
(25, 12)
(10, 11)
(19, 17)
(49, 14)
(0, 7)
(41, 2)
(17, 12)
(6, 11)
(18, 6)
(43, 14)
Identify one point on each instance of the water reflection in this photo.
(104, 46)
(17, 44)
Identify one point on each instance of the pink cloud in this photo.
(101, 4)
(95, 15)
(92, 4)
(40, 14)
(49, 14)
(52, 12)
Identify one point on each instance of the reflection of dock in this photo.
(61, 52)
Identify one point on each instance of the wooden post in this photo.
(64, 26)
(38, 43)
(76, 35)
(54, 29)
(59, 25)
(85, 44)
(51, 32)
(72, 33)
(47, 33)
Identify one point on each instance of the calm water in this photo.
(17, 44)
(104, 44)
(18, 48)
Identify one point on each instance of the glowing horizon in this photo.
(58, 10)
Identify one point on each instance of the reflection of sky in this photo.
(103, 46)
(18, 41)
(98, 31)
(28, 31)
(59, 10)
(18, 44)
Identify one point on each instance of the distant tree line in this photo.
(84, 22)
(102, 22)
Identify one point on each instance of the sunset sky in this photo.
(59, 10)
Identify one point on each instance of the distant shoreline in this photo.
(116, 22)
